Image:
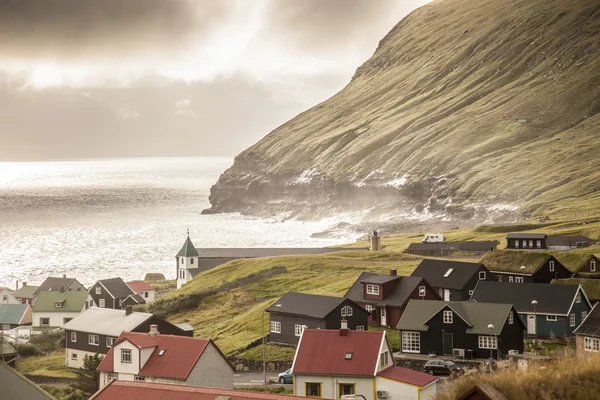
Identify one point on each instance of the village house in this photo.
(144, 289)
(589, 268)
(7, 296)
(53, 309)
(385, 296)
(132, 300)
(333, 363)
(452, 280)
(15, 386)
(587, 334)
(549, 311)
(441, 249)
(294, 312)
(110, 293)
(190, 262)
(591, 287)
(464, 329)
(160, 358)
(521, 266)
(95, 331)
(126, 390)
(25, 295)
(526, 241)
(64, 284)
(14, 315)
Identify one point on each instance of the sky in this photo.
(113, 78)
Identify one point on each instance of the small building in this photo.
(126, 390)
(25, 295)
(95, 331)
(591, 287)
(445, 249)
(7, 296)
(557, 311)
(460, 329)
(385, 296)
(132, 300)
(333, 363)
(294, 312)
(64, 284)
(522, 266)
(54, 309)
(14, 315)
(144, 289)
(17, 387)
(563, 242)
(526, 241)
(587, 334)
(452, 280)
(159, 358)
(589, 268)
(110, 293)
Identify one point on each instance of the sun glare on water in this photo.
(45, 75)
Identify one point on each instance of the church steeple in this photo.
(187, 262)
(188, 249)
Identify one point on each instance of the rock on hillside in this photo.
(467, 106)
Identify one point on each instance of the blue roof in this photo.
(12, 313)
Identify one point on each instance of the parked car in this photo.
(442, 367)
(286, 377)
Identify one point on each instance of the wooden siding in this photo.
(544, 275)
(510, 244)
(288, 322)
(109, 301)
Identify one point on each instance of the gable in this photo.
(447, 274)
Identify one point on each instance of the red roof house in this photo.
(152, 357)
(333, 363)
(123, 390)
(144, 289)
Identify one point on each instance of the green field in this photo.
(49, 366)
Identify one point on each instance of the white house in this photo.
(178, 360)
(7, 296)
(187, 263)
(53, 309)
(144, 289)
(333, 363)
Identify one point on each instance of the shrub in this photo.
(48, 342)
(27, 350)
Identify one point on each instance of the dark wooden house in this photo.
(452, 280)
(442, 249)
(294, 312)
(526, 241)
(386, 296)
(589, 268)
(110, 293)
(524, 266)
(587, 334)
(591, 287)
(551, 311)
(133, 300)
(464, 328)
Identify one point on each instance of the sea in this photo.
(96, 219)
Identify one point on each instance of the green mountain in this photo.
(467, 107)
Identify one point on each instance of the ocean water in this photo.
(97, 219)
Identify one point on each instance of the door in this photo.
(531, 325)
(448, 343)
(383, 319)
(446, 295)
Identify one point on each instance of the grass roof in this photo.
(572, 259)
(591, 287)
(512, 260)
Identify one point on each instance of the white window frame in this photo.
(126, 356)
(511, 317)
(346, 311)
(583, 315)
(487, 342)
(369, 308)
(571, 320)
(516, 243)
(551, 266)
(101, 303)
(384, 359)
(531, 243)
(591, 344)
(44, 324)
(551, 318)
(298, 330)
(360, 327)
(110, 341)
(448, 316)
(578, 297)
(538, 243)
(411, 342)
(138, 378)
(275, 326)
(74, 337)
(93, 340)
(98, 290)
(113, 375)
(422, 291)
(372, 289)
(481, 277)
(593, 266)
(74, 356)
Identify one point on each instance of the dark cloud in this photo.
(66, 29)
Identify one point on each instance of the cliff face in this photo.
(466, 106)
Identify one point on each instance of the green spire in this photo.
(188, 249)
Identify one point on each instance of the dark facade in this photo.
(449, 248)
(590, 268)
(109, 301)
(526, 241)
(557, 326)
(291, 325)
(130, 301)
(549, 270)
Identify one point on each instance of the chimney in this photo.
(17, 285)
(24, 284)
(64, 276)
(62, 289)
(375, 242)
(128, 310)
(153, 330)
(393, 272)
(344, 328)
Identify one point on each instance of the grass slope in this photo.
(49, 366)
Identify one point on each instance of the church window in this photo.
(191, 260)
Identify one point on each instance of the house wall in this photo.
(7, 297)
(511, 337)
(109, 301)
(544, 275)
(580, 348)
(75, 286)
(401, 391)
(360, 317)
(82, 343)
(329, 385)
(126, 368)
(149, 295)
(80, 357)
(505, 277)
(510, 244)
(56, 318)
(288, 322)
(211, 370)
(470, 285)
(585, 270)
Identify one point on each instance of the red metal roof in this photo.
(407, 376)
(323, 351)
(126, 390)
(139, 286)
(180, 354)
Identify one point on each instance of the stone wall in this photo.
(243, 364)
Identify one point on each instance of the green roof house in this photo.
(13, 315)
(53, 309)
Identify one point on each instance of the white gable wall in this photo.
(126, 368)
(211, 370)
(390, 358)
(56, 318)
(145, 355)
(401, 391)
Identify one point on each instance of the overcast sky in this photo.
(115, 78)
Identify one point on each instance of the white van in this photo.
(434, 238)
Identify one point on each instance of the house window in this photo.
(487, 342)
(511, 279)
(373, 289)
(447, 316)
(551, 318)
(346, 388)
(516, 244)
(411, 342)
(101, 303)
(591, 344)
(530, 242)
(4, 297)
(360, 327)
(110, 341)
(578, 297)
(384, 359)
(182, 260)
(538, 244)
(346, 311)
(74, 337)
(421, 291)
(65, 320)
(441, 292)
(447, 274)
(126, 355)
(583, 315)
(146, 294)
(481, 275)
(348, 355)
(98, 290)
(312, 389)
(593, 266)
(519, 279)
(511, 318)
(275, 327)
(120, 302)
(191, 260)
(94, 340)
(551, 266)
(74, 356)
(181, 274)
(58, 304)
(524, 243)
(572, 320)
(112, 375)
(298, 329)
(499, 278)
(369, 308)
(44, 321)
(138, 378)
